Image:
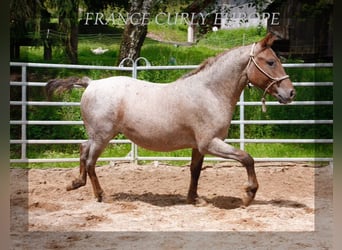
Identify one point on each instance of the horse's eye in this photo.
(271, 63)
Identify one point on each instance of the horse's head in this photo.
(266, 71)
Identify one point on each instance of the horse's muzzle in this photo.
(286, 96)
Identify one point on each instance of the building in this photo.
(306, 29)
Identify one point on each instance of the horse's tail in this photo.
(57, 86)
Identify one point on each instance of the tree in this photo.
(67, 12)
(24, 18)
(28, 16)
(135, 29)
(96, 6)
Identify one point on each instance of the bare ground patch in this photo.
(294, 200)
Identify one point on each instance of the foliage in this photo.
(96, 6)
(24, 17)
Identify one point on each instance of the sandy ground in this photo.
(145, 208)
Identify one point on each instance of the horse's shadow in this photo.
(222, 202)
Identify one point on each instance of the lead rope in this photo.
(275, 79)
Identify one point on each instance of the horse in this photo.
(195, 111)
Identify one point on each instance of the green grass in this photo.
(276, 150)
(168, 54)
(232, 38)
(169, 33)
(259, 150)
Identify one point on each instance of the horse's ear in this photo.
(269, 39)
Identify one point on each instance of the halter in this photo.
(274, 79)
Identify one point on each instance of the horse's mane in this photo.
(207, 63)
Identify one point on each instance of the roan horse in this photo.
(194, 112)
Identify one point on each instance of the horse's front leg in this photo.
(219, 148)
(82, 179)
(195, 170)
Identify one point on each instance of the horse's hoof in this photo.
(200, 202)
(246, 201)
(191, 199)
(249, 195)
(197, 201)
(99, 199)
(74, 185)
(99, 196)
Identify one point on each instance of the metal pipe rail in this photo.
(260, 122)
(134, 156)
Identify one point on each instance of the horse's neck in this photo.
(226, 76)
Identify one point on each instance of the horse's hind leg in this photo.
(95, 149)
(195, 170)
(89, 153)
(219, 148)
(82, 179)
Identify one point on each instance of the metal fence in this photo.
(24, 141)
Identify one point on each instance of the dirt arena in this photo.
(145, 208)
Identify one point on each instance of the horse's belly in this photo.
(161, 146)
(157, 139)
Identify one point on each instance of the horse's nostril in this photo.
(292, 93)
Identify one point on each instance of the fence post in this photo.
(242, 118)
(242, 110)
(134, 152)
(23, 111)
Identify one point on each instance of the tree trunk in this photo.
(14, 51)
(72, 44)
(68, 21)
(135, 30)
(47, 50)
